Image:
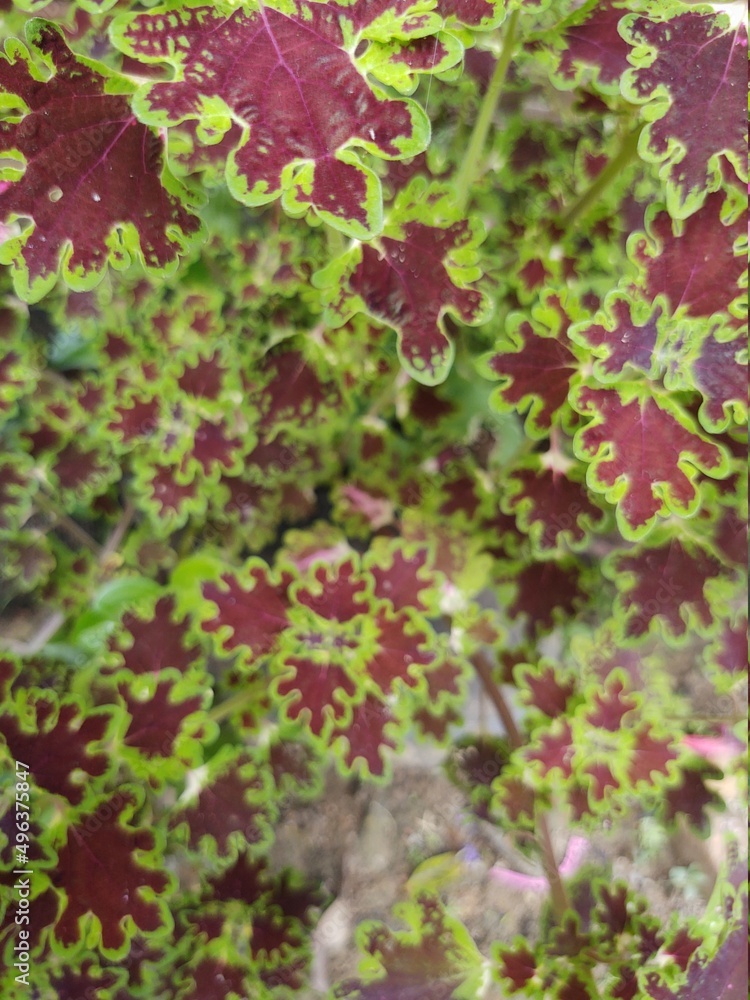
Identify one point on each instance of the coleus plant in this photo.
(355, 353)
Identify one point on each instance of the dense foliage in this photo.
(354, 353)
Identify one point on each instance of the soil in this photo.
(363, 842)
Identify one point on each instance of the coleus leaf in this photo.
(537, 364)
(594, 51)
(619, 341)
(251, 617)
(93, 178)
(58, 748)
(435, 959)
(698, 263)
(421, 268)
(548, 495)
(714, 361)
(664, 581)
(112, 888)
(722, 968)
(285, 75)
(690, 73)
(227, 805)
(151, 643)
(645, 453)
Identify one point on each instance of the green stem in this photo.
(335, 242)
(66, 523)
(558, 894)
(628, 151)
(470, 166)
(227, 707)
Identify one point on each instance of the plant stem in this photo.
(470, 165)
(225, 708)
(66, 523)
(628, 151)
(335, 242)
(560, 902)
(54, 621)
(481, 664)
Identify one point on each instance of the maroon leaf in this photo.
(366, 736)
(214, 979)
(319, 694)
(400, 648)
(650, 755)
(230, 806)
(731, 655)
(253, 617)
(596, 43)
(555, 749)
(666, 583)
(692, 798)
(517, 964)
(337, 594)
(425, 965)
(536, 368)
(644, 453)
(694, 263)
(607, 709)
(156, 721)
(550, 503)
(91, 170)
(544, 589)
(409, 281)
(720, 376)
(620, 341)
(100, 873)
(700, 63)
(290, 80)
(545, 689)
(59, 746)
(402, 582)
(158, 642)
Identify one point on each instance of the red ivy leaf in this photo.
(644, 453)
(92, 171)
(289, 78)
(692, 69)
(100, 874)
